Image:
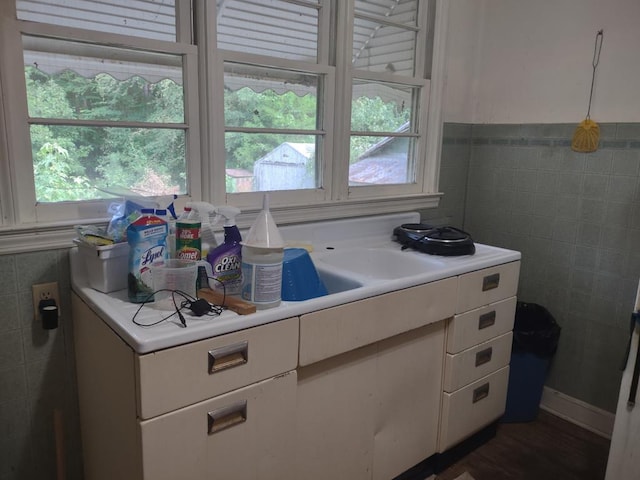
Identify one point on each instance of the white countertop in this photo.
(327, 238)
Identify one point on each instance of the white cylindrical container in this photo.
(262, 276)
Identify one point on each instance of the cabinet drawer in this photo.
(340, 329)
(247, 434)
(479, 325)
(180, 376)
(476, 362)
(487, 286)
(471, 408)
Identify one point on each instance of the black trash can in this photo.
(535, 341)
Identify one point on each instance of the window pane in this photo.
(380, 107)
(82, 163)
(102, 83)
(383, 48)
(259, 162)
(402, 12)
(381, 160)
(273, 28)
(267, 98)
(155, 19)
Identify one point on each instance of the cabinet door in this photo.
(334, 417)
(408, 373)
(371, 412)
(246, 434)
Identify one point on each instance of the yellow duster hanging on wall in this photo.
(587, 136)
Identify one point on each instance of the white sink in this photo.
(379, 263)
(335, 283)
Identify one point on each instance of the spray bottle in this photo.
(225, 259)
(262, 255)
(188, 242)
(207, 214)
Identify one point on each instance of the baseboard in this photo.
(578, 412)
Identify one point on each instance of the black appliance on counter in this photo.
(446, 241)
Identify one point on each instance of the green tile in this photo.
(628, 131)
(595, 186)
(11, 352)
(618, 213)
(8, 279)
(626, 163)
(622, 188)
(599, 162)
(9, 316)
(589, 234)
(546, 182)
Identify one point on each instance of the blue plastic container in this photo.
(300, 279)
(527, 376)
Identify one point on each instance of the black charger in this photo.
(49, 313)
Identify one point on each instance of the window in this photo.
(324, 101)
(103, 108)
(329, 105)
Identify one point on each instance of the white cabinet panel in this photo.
(479, 325)
(476, 362)
(487, 286)
(346, 327)
(409, 367)
(180, 376)
(372, 412)
(335, 406)
(469, 409)
(247, 434)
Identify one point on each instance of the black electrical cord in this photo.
(198, 306)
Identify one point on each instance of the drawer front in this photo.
(473, 407)
(487, 286)
(479, 325)
(180, 376)
(247, 434)
(340, 329)
(476, 362)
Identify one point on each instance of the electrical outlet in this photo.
(44, 291)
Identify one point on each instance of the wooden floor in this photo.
(547, 449)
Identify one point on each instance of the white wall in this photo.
(520, 61)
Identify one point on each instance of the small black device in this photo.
(446, 241)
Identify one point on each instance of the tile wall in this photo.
(37, 373)
(576, 219)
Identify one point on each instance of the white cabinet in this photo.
(369, 384)
(478, 351)
(363, 390)
(217, 408)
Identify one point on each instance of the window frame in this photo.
(336, 198)
(27, 212)
(20, 220)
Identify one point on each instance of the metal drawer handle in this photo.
(228, 356)
(480, 393)
(490, 282)
(484, 356)
(487, 319)
(227, 417)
